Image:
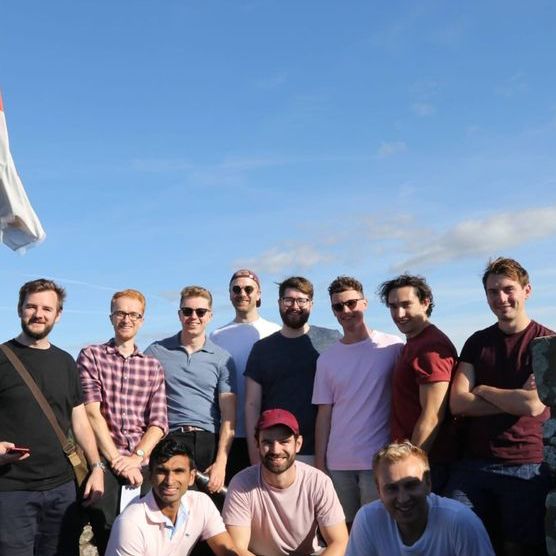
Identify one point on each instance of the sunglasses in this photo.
(350, 304)
(247, 289)
(188, 311)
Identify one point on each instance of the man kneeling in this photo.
(169, 519)
(408, 518)
(273, 508)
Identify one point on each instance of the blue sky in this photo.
(168, 143)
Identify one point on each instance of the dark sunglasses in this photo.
(350, 304)
(247, 289)
(188, 311)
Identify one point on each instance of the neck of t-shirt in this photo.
(515, 326)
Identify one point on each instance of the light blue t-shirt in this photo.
(194, 382)
(452, 530)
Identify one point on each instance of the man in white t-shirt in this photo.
(408, 519)
(353, 391)
(274, 508)
(237, 338)
(170, 519)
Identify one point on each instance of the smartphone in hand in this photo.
(18, 450)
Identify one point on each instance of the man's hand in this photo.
(94, 487)
(121, 464)
(6, 457)
(133, 476)
(217, 475)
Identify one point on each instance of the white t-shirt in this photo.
(452, 530)
(356, 379)
(237, 338)
(282, 521)
(141, 529)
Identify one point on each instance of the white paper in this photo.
(128, 494)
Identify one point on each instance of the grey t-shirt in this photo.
(285, 369)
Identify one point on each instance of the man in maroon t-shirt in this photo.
(502, 476)
(422, 374)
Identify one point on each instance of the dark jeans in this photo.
(238, 459)
(40, 523)
(202, 445)
(103, 513)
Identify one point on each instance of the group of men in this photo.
(296, 418)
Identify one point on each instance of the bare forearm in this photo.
(103, 437)
(516, 401)
(425, 431)
(150, 439)
(84, 434)
(322, 433)
(251, 417)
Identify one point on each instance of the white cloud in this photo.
(423, 109)
(286, 258)
(486, 236)
(388, 149)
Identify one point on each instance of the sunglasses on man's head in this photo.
(350, 304)
(247, 289)
(188, 311)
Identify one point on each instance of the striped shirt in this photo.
(130, 390)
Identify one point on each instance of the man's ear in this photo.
(298, 443)
(192, 476)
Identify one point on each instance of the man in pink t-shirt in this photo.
(422, 375)
(170, 519)
(274, 508)
(352, 390)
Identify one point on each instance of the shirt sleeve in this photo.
(322, 389)
(253, 367)
(126, 539)
(361, 541)
(328, 510)
(227, 378)
(157, 407)
(237, 508)
(89, 376)
(433, 366)
(469, 535)
(214, 525)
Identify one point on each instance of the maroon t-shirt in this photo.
(504, 361)
(426, 358)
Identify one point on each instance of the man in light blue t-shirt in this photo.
(408, 519)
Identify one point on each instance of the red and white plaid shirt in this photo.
(130, 390)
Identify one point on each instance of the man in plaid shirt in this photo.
(125, 399)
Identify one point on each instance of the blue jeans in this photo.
(40, 523)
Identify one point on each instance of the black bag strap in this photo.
(67, 445)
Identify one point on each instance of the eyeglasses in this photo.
(291, 301)
(188, 311)
(350, 304)
(247, 289)
(121, 315)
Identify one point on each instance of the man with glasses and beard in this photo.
(237, 338)
(276, 507)
(38, 509)
(353, 392)
(281, 368)
(200, 386)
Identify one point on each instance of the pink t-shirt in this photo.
(356, 380)
(141, 529)
(282, 521)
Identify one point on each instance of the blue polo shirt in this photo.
(194, 381)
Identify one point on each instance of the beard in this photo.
(36, 335)
(277, 466)
(294, 318)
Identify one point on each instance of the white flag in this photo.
(19, 225)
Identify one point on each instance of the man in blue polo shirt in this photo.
(200, 386)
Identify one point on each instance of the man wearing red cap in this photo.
(237, 338)
(275, 507)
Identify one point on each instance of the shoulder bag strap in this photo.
(67, 445)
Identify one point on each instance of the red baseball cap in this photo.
(246, 273)
(274, 417)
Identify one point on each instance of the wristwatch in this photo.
(140, 453)
(98, 464)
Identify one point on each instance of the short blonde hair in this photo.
(195, 291)
(397, 451)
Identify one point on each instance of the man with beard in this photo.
(38, 509)
(276, 506)
(281, 368)
(353, 391)
(237, 338)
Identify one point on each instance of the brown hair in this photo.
(506, 267)
(41, 285)
(296, 283)
(195, 291)
(418, 283)
(345, 283)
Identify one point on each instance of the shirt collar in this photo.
(110, 347)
